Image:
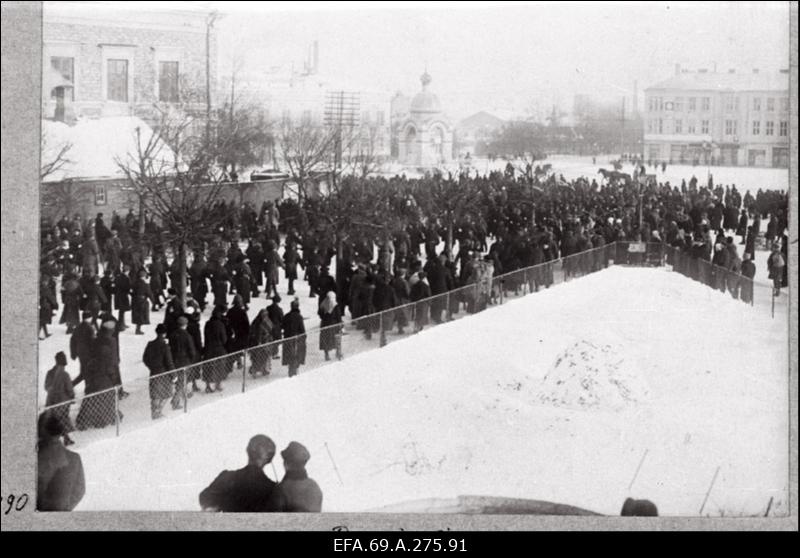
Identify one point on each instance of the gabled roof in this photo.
(481, 119)
(768, 81)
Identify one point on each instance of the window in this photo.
(730, 127)
(649, 125)
(785, 104)
(117, 80)
(730, 103)
(678, 106)
(691, 127)
(756, 104)
(678, 126)
(756, 127)
(704, 127)
(706, 104)
(381, 118)
(64, 65)
(100, 197)
(770, 128)
(168, 81)
(770, 104)
(660, 126)
(692, 104)
(784, 128)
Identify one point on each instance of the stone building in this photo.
(425, 135)
(719, 118)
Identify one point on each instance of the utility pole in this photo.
(212, 17)
(341, 110)
(622, 130)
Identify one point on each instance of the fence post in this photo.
(185, 396)
(502, 290)
(244, 369)
(382, 330)
(116, 409)
(773, 302)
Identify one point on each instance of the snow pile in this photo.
(591, 375)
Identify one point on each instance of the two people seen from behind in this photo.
(249, 489)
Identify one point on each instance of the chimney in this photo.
(315, 60)
(64, 109)
(677, 69)
(732, 71)
(755, 70)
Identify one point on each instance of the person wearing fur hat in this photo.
(184, 354)
(247, 489)
(158, 359)
(297, 492)
(172, 311)
(59, 389)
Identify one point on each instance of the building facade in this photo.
(732, 119)
(101, 61)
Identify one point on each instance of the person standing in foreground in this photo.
(247, 489)
(60, 480)
(297, 492)
(158, 359)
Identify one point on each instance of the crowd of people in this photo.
(514, 222)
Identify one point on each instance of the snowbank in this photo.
(453, 411)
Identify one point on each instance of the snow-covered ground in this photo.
(553, 396)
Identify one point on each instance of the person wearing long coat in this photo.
(272, 262)
(261, 333)
(157, 277)
(59, 389)
(294, 333)
(331, 328)
(276, 314)
(107, 284)
(71, 295)
(216, 338)
(243, 280)
(98, 410)
(239, 325)
(748, 272)
(122, 296)
(402, 297)
(158, 359)
(95, 298)
(420, 292)
(290, 260)
(142, 294)
(184, 354)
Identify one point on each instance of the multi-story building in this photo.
(101, 60)
(719, 118)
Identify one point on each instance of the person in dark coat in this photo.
(157, 279)
(239, 325)
(261, 333)
(47, 306)
(184, 354)
(420, 292)
(158, 359)
(294, 347)
(140, 309)
(107, 284)
(742, 228)
(275, 313)
(71, 296)
(122, 295)
(219, 282)
(243, 279)
(60, 394)
(172, 311)
(384, 299)
(296, 492)
(325, 284)
(80, 347)
(247, 489)
(330, 335)
(402, 296)
(98, 411)
(198, 279)
(60, 482)
(748, 272)
(95, 298)
(216, 338)
(290, 259)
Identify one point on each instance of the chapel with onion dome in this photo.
(426, 135)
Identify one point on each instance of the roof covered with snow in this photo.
(96, 146)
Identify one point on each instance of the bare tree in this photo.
(450, 202)
(362, 156)
(173, 172)
(307, 149)
(59, 195)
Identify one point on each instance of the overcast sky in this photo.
(484, 55)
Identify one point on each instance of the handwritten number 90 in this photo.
(16, 503)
